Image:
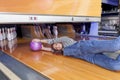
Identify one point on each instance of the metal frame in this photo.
(6, 18)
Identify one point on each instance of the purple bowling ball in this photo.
(35, 46)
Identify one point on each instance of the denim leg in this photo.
(106, 62)
(98, 46)
(92, 46)
(101, 60)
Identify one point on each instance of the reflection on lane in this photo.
(19, 69)
(11, 45)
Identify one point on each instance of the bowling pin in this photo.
(9, 37)
(14, 32)
(49, 29)
(3, 32)
(83, 32)
(11, 32)
(1, 36)
(55, 31)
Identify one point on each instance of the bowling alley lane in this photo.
(49, 65)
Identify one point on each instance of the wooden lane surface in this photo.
(58, 67)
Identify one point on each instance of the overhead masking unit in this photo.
(22, 11)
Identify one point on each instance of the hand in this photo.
(42, 47)
(46, 48)
(36, 40)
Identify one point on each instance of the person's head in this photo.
(57, 47)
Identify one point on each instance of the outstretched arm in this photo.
(54, 40)
(46, 49)
(42, 41)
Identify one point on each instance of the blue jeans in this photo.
(92, 50)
